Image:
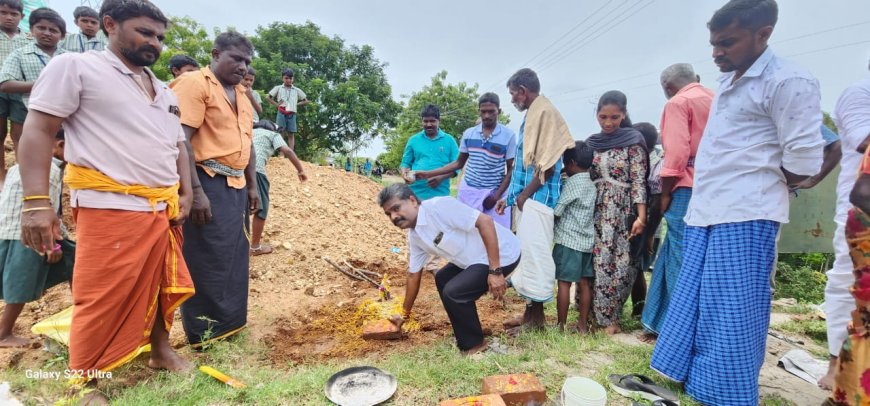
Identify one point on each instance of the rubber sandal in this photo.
(633, 385)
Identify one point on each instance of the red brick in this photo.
(483, 400)
(516, 389)
(381, 330)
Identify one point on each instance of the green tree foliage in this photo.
(351, 100)
(183, 36)
(458, 104)
(828, 121)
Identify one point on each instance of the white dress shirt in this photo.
(852, 116)
(766, 120)
(459, 241)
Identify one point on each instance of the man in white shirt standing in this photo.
(852, 116)
(762, 136)
(480, 254)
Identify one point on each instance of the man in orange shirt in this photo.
(683, 122)
(218, 120)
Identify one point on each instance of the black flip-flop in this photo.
(661, 402)
(632, 385)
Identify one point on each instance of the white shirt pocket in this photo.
(451, 243)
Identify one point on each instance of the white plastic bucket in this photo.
(579, 391)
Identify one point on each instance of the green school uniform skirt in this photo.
(26, 274)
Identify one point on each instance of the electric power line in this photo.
(812, 34)
(610, 25)
(560, 38)
(584, 95)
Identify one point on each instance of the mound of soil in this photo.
(296, 297)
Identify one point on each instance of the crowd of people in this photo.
(536, 211)
(588, 212)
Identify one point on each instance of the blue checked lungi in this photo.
(715, 332)
(670, 259)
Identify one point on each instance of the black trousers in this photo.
(459, 289)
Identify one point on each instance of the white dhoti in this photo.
(535, 276)
(839, 303)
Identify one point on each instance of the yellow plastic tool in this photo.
(230, 381)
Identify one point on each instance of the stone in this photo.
(381, 330)
(483, 400)
(516, 389)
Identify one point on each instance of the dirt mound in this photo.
(299, 306)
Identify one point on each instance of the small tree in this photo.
(183, 36)
(459, 111)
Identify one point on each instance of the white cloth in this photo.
(839, 303)
(852, 116)
(459, 241)
(766, 120)
(535, 276)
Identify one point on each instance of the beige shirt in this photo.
(111, 126)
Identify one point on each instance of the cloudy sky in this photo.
(580, 49)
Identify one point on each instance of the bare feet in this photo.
(13, 341)
(514, 322)
(476, 349)
(648, 338)
(169, 360)
(827, 381)
(93, 397)
(612, 329)
(581, 329)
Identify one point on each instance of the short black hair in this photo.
(752, 14)
(618, 99)
(228, 39)
(123, 10)
(527, 78)
(47, 14)
(650, 134)
(251, 71)
(180, 61)
(397, 190)
(266, 124)
(13, 4)
(288, 72)
(85, 11)
(488, 97)
(581, 155)
(430, 110)
(60, 135)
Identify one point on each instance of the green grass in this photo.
(814, 329)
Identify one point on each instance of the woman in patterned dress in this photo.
(619, 171)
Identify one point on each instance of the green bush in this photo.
(803, 283)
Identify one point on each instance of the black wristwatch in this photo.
(496, 271)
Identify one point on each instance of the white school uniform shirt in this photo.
(766, 120)
(460, 242)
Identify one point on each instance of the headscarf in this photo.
(621, 138)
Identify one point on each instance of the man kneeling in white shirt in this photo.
(474, 246)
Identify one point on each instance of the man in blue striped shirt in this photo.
(486, 154)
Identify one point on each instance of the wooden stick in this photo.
(338, 268)
(362, 274)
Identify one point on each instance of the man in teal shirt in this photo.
(429, 149)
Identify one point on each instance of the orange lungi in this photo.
(128, 268)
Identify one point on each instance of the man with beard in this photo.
(218, 121)
(129, 274)
(534, 189)
(761, 137)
